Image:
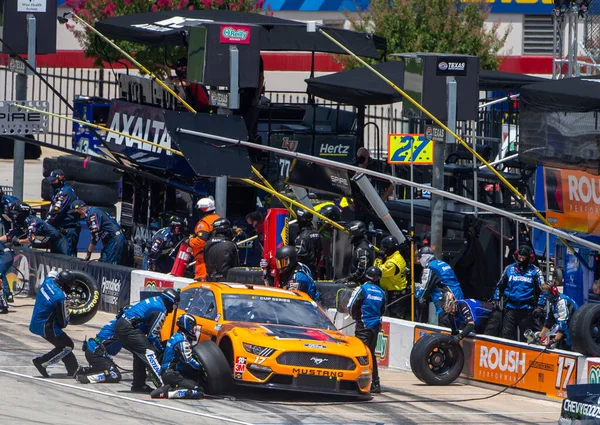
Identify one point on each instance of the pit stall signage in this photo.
(503, 363)
(410, 148)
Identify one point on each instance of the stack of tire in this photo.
(95, 184)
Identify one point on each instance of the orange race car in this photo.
(275, 338)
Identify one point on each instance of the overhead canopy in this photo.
(360, 86)
(505, 81)
(277, 34)
(565, 95)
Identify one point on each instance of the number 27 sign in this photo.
(409, 148)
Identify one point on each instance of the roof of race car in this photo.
(239, 288)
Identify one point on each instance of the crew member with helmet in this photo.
(39, 230)
(148, 315)
(437, 279)
(7, 206)
(467, 316)
(309, 242)
(7, 257)
(180, 371)
(393, 280)
(162, 244)
(560, 311)
(50, 316)
(59, 214)
(220, 253)
(293, 275)
(367, 306)
(333, 213)
(518, 293)
(363, 254)
(102, 227)
(202, 233)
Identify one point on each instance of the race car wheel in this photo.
(216, 370)
(436, 360)
(84, 298)
(78, 169)
(585, 330)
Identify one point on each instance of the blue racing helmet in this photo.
(187, 324)
(170, 296)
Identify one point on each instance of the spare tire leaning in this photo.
(84, 296)
(49, 165)
(585, 330)
(77, 169)
(97, 194)
(216, 370)
(47, 192)
(436, 360)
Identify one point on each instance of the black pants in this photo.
(99, 363)
(137, 343)
(175, 379)
(369, 338)
(63, 350)
(521, 318)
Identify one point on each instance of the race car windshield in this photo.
(273, 310)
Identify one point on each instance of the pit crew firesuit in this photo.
(393, 281)
(437, 278)
(309, 245)
(362, 258)
(560, 313)
(7, 257)
(366, 306)
(301, 280)
(39, 230)
(519, 290)
(7, 205)
(220, 254)
(162, 243)
(98, 352)
(103, 227)
(59, 217)
(178, 362)
(50, 316)
(471, 311)
(202, 233)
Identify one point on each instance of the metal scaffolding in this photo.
(565, 16)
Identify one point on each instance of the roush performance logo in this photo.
(235, 34)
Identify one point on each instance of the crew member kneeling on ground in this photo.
(220, 253)
(50, 316)
(293, 275)
(180, 371)
(367, 306)
(150, 315)
(560, 313)
(393, 280)
(467, 315)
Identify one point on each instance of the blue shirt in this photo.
(50, 309)
(178, 354)
(151, 314)
(303, 277)
(39, 230)
(163, 239)
(520, 287)
(561, 310)
(7, 206)
(367, 304)
(102, 226)
(471, 310)
(58, 215)
(438, 278)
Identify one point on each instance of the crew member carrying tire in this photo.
(367, 306)
(363, 254)
(293, 275)
(40, 231)
(180, 371)
(50, 316)
(560, 311)
(393, 280)
(220, 253)
(467, 316)
(59, 214)
(162, 244)
(149, 315)
(102, 227)
(309, 242)
(202, 234)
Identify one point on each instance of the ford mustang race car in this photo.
(276, 338)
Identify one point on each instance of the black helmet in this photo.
(304, 218)
(170, 296)
(286, 257)
(222, 226)
(176, 224)
(21, 212)
(64, 279)
(373, 274)
(187, 324)
(389, 245)
(331, 212)
(527, 253)
(357, 229)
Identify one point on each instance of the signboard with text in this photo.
(410, 148)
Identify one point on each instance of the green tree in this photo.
(443, 26)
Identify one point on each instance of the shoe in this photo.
(38, 365)
(162, 392)
(146, 389)
(376, 388)
(83, 379)
(4, 311)
(75, 373)
(10, 298)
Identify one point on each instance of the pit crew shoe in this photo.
(162, 392)
(376, 388)
(38, 365)
(74, 373)
(4, 311)
(146, 389)
(10, 298)
(83, 379)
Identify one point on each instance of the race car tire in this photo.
(245, 275)
(435, 360)
(46, 191)
(86, 295)
(585, 330)
(97, 194)
(77, 169)
(216, 369)
(49, 165)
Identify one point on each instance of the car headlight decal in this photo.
(258, 350)
(363, 360)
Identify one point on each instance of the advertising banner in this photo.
(410, 148)
(382, 350)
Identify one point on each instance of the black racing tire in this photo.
(49, 165)
(585, 330)
(245, 275)
(46, 192)
(97, 194)
(86, 296)
(78, 170)
(435, 360)
(216, 370)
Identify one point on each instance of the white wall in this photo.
(514, 42)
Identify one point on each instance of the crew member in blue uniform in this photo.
(50, 316)
(467, 315)
(38, 230)
(367, 306)
(518, 292)
(102, 227)
(149, 315)
(293, 275)
(7, 257)
(437, 279)
(59, 215)
(560, 311)
(162, 244)
(180, 371)
(7, 207)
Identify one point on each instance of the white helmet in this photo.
(205, 205)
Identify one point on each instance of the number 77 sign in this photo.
(409, 148)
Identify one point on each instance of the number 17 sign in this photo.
(409, 148)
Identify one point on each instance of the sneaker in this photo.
(162, 392)
(38, 365)
(147, 389)
(74, 373)
(82, 378)
(376, 388)
(10, 298)
(4, 311)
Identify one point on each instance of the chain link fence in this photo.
(591, 32)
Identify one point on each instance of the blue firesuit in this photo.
(163, 241)
(59, 217)
(7, 205)
(301, 280)
(471, 311)
(438, 278)
(39, 230)
(104, 227)
(7, 257)
(520, 288)
(560, 313)
(178, 355)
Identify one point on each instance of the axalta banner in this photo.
(572, 200)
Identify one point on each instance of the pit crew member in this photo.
(202, 233)
(58, 214)
(163, 242)
(309, 242)
(363, 254)
(220, 253)
(560, 311)
(393, 280)
(39, 230)
(7, 257)
(293, 275)
(467, 316)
